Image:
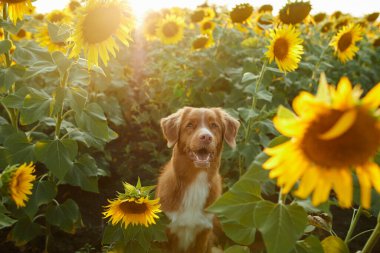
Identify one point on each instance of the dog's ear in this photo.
(231, 127)
(170, 127)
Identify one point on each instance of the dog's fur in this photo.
(190, 181)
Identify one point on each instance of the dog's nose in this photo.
(206, 138)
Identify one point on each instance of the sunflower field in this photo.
(83, 89)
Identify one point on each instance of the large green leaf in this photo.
(24, 231)
(84, 174)
(5, 46)
(20, 148)
(77, 98)
(66, 216)
(9, 76)
(112, 234)
(5, 220)
(43, 193)
(36, 106)
(58, 155)
(239, 233)
(16, 100)
(237, 249)
(280, 225)
(309, 245)
(239, 202)
(93, 120)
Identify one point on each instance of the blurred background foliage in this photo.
(87, 129)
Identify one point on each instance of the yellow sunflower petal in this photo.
(341, 126)
(372, 99)
(365, 187)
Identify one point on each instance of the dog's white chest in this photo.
(190, 218)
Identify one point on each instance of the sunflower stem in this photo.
(373, 238)
(361, 233)
(247, 131)
(6, 34)
(354, 221)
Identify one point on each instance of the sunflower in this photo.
(21, 35)
(73, 6)
(43, 38)
(319, 17)
(21, 184)
(170, 29)
(241, 13)
(150, 25)
(135, 211)
(264, 20)
(266, 8)
(98, 25)
(58, 16)
(295, 12)
(326, 27)
(344, 42)
(201, 14)
(333, 134)
(207, 26)
(202, 41)
(17, 8)
(376, 42)
(285, 48)
(372, 17)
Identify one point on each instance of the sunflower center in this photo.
(21, 33)
(57, 17)
(345, 41)
(200, 43)
(133, 208)
(241, 13)
(353, 147)
(207, 26)
(197, 16)
(170, 29)
(281, 48)
(101, 23)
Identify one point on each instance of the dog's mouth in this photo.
(201, 157)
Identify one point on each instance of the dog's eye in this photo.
(214, 125)
(189, 125)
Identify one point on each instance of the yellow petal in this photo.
(341, 126)
(372, 99)
(365, 187)
(323, 92)
(343, 95)
(374, 172)
(343, 186)
(322, 189)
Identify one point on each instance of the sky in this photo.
(354, 7)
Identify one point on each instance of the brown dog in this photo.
(190, 181)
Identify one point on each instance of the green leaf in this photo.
(43, 193)
(61, 61)
(239, 233)
(238, 203)
(20, 148)
(10, 27)
(237, 249)
(5, 220)
(58, 33)
(334, 244)
(66, 216)
(24, 231)
(280, 225)
(84, 174)
(264, 95)
(9, 76)
(92, 119)
(16, 100)
(87, 139)
(112, 234)
(247, 113)
(5, 46)
(36, 106)
(248, 76)
(309, 245)
(84, 64)
(77, 98)
(58, 155)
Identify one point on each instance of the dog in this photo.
(190, 181)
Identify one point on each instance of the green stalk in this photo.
(61, 115)
(373, 238)
(247, 131)
(354, 221)
(6, 34)
(320, 60)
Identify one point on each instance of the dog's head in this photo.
(199, 133)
